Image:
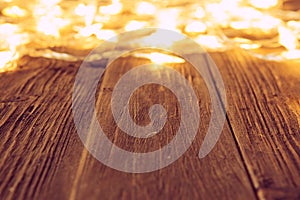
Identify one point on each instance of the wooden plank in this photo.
(264, 115)
(42, 156)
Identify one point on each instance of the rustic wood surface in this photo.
(256, 157)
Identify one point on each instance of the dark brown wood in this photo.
(257, 155)
(263, 110)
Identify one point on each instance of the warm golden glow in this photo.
(86, 11)
(7, 29)
(294, 25)
(49, 2)
(265, 24)
(246, 43)
(288, 38)
(292, 54)
(161, 39)
(51, 26)
(14, 11)
(90, 30)
(238, 16)
(160, 58)
(168, 18)
(200, 13)
(52, 54)
(48, 17)
(6, 57)
(112, 9)
(195, 27)
(215, 24)
(135, 25)
(145, 8)
(106, 34)
(210, 42)
(11, 37)
(264, 4)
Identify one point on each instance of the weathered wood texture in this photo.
(263, 111)
(257, 155)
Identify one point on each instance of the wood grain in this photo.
(264, 115)
(257, 156)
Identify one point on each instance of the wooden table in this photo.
(256, 157)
